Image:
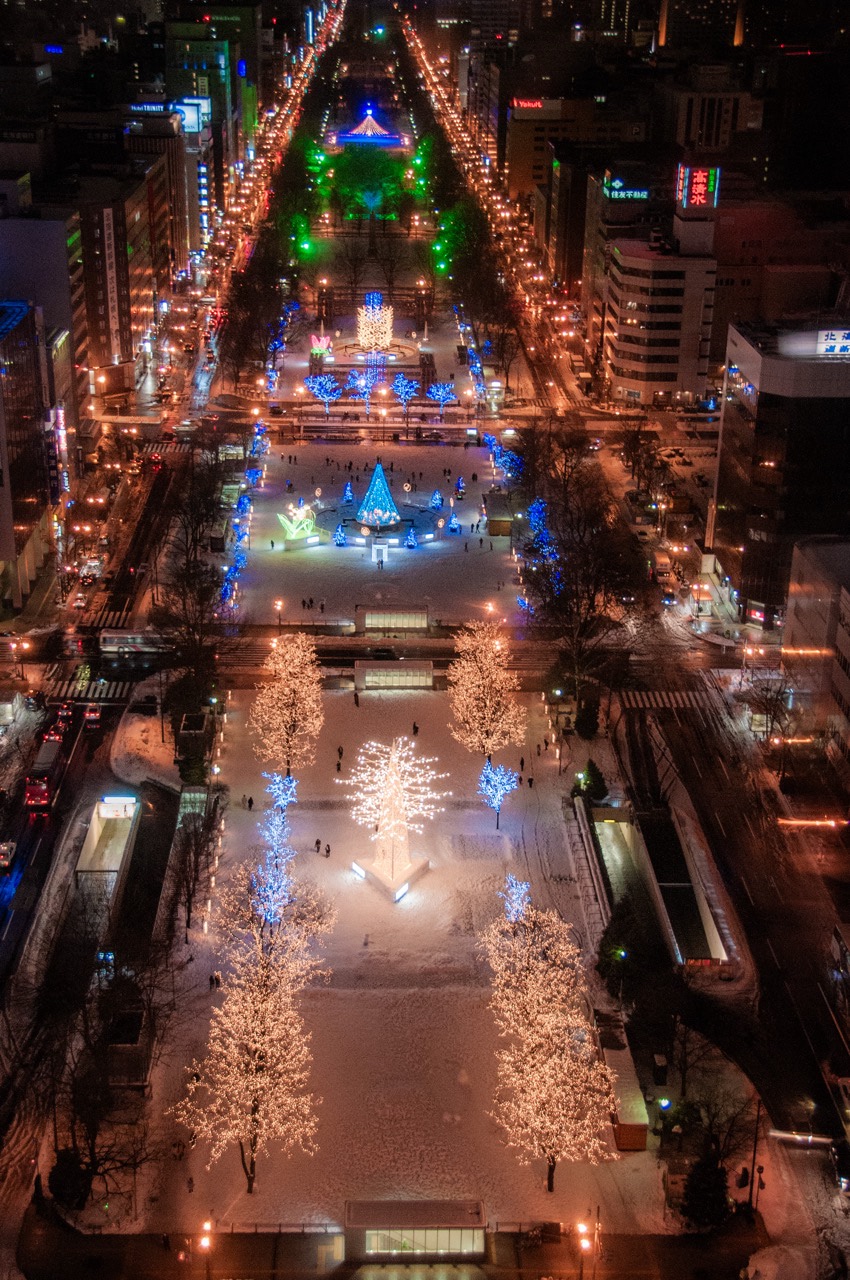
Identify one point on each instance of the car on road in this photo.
(8, 849)
(669, 598)
(92, 716)
(79, 601)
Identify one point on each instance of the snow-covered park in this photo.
(403, 1042)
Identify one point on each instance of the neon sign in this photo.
(616, 189)
(298, 523)
(528, 104)
(697, 188)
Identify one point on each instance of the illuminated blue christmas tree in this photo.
(378, 507)
(410, 541)
(339, 536)
(494, 784)
(442, 393)
(348, 493)
(454, 524)
(517, 897)
(436, 503)
(460, 486)
(404, 389)
(324, 387)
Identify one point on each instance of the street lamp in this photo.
(23, 645)
(278, 604)
(205, 1245)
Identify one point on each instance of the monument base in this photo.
(397, 886)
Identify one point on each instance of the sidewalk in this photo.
(45, 1238)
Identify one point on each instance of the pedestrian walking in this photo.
(310, 603)
(545, 743)
(217, 976)
(538, 748)
(321, 606)
(339, 752)
(190, 1185)
(466, 546)
(212, 981)
(250, 803)
(530, 783)
(472, 526)
(327, 851)
(415, 728)
(244, 801)
(318, 845)
(272, 542)
(356, 698)
(481, 542)
(522, 764)
(339, 766)
(303, 604)
(491, 544)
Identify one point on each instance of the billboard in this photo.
(697, 187)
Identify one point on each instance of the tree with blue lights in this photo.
(404, 389)
(325, 387)
(340, 539)
(378, 507)
(494, 784)
(453, 525)
(410, 541)
(282, 790)
(361, 383)
(442, 393)
(436, 503)
(516, 897)
(348, 494)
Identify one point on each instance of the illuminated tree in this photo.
(554, 1095)
(374, 324)
(496, 783)
(442, 393)
(361, 383)
(339, 536)
(410, 541)
(348, 493)
(393, 794)
(404, 389)
(436, 502)
(324, 387)
(287, 714)
(486, 714)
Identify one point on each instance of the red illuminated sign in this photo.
(697, 188)
(528, 104)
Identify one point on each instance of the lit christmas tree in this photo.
(339, 536)
(374, 324)
(410, 541)
(494, 784)
(442, 393)
(404, 389)
(287, 714)
(282, 790)
(517, 898)
(554, 1096)
(378, 508)
(460, 486)
(486, 714)
(348, 493)
(436, 503)
(393, 795)
(454, 524)
(324, 387)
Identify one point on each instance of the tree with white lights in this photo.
(287, 714)
(554, 1096)
(325, 387)
(251, 1089)
(496, 783)
(442, 393)
(486, 713)
(393, 794)
(404, 389)
(374, 324)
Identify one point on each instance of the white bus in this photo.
(130, 642)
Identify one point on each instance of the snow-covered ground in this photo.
(403, 1043)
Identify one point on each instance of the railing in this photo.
(278, 1228)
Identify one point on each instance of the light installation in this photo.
(378, 509)
(340, 539)
(374, 323)
(394, 795)
(697, 187)
(324, 387)
(436, 502)
(442, 393)
(348, 493)
(297, 522)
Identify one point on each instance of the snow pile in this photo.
(138, 753)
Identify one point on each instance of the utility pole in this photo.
(755, 1153)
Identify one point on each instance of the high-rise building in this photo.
(24, 503)
(700, 24)
(783, 456)
(198, 65)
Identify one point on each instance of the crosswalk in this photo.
(108, 619)
(670, 699)
(167, 446)
(70, 690)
